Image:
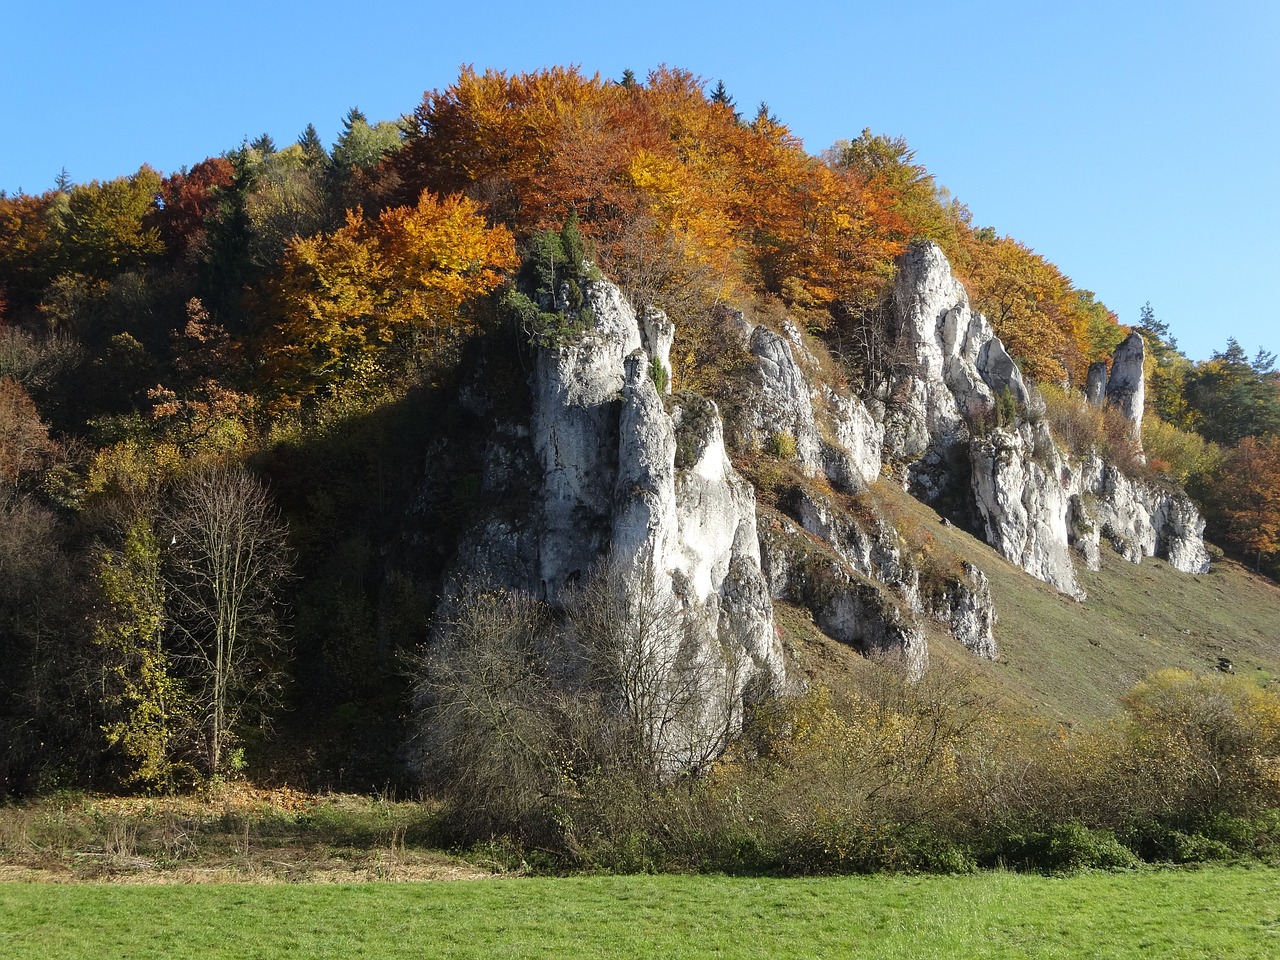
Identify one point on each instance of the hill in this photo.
(1073, 661)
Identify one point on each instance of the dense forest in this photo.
(232, 453)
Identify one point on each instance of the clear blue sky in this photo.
(1135, 144)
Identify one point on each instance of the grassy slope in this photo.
(1071, 661)
(1220, 912)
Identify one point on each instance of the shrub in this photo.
(1207, 746)
(658, 374)
(781, 445)
(1084, 430)
(1182, 455)
(1065, 848)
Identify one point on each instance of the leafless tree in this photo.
(227, 556)
(670, 692)
(487, 709)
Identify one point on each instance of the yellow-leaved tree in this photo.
(343, 300)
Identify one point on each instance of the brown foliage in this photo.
(25, 446)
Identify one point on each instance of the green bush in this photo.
(781, 445)
(1065, 848)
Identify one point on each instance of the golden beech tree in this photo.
(331, 298)
(342, 299)
(683, 202)
(28, 246)
(1023, 295)
(441, 255)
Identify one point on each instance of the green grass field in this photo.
(1218, 912)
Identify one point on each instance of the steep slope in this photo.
(1071, 661)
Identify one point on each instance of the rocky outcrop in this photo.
(958, 367)
(1038, 510)
(783, 409)
(1024, 504)
(844, 604)
(965, 605)
(1031, 503)
(1139, 519)
(615, 464)
(1095, 390)
(870, 548)
(623, 475)
(1126, 386)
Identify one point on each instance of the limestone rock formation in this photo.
(1024, 504)
(958, 369)
(1095, 390)
(847, 453)
(844, 604)
(614, 464)
(1031, 503)
(965, 605)
(622, 474)
(1126, 387)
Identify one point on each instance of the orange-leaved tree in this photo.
(1245, 497)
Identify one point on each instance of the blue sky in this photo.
(1134, 144)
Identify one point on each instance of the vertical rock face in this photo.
(1126, 389)
(1033, 505)
(843, 604)
(1024, 504)
(1095, 390)
(848, 454)
(621, 473)
(959, 368)
(574, 431)
(967, 608)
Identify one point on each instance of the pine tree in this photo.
(312, 146)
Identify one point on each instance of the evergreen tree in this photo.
(312, 146)
(1167, 369)
(263, 144)
(1231, 398)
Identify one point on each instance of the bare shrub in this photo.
(667, 691)
(488, 734)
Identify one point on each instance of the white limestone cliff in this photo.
(1032, 503)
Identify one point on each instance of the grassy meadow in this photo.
(1224, 912)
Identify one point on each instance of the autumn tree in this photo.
(151, 715)
(287, 200)
(345, 299)
(1231, 397)
(202, 407)
(113, 226)
(25, 447)
(1245, 497)
(190, 200)
(1167, 369)
(905, 192)
(1032, 307)
(28, 248)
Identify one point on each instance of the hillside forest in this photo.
(233, 460)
